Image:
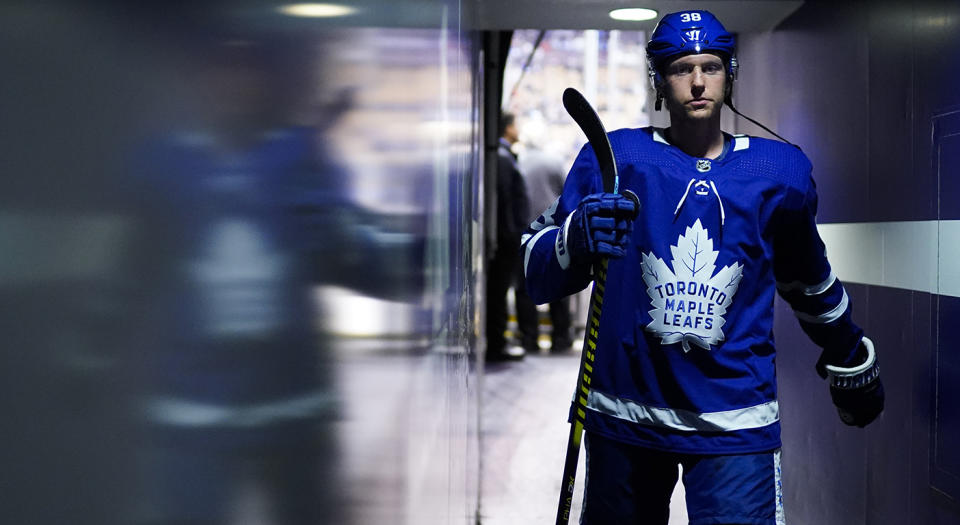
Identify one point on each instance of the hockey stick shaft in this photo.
(587, 357)
(588, 120)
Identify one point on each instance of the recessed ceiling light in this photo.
(317, 10)
(633, 14)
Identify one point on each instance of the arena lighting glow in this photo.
(317, 10)
(633, 14)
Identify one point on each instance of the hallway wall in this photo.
(871, 92)
(409, 430)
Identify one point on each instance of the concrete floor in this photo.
(524, 438)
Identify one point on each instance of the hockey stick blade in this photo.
(588, 120)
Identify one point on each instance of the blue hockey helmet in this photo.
(689, 32)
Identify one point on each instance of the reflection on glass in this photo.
(236, 258)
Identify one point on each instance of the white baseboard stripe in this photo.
(912, 255)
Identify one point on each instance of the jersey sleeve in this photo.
(807, 283)
(549, 271)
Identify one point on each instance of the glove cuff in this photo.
(857, 376)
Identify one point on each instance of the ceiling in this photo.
(738, 16)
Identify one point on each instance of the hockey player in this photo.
(684, 371)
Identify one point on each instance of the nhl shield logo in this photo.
(703, 165)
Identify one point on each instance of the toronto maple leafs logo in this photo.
(689, 302)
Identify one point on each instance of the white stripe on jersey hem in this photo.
(827, 317)
(529, 250)
(756, 416)
(814, 289)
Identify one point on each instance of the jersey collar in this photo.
(731, 143)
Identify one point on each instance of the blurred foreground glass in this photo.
(201, 207)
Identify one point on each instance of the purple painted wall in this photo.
(871, 92)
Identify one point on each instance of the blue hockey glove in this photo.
(600, 227)
(856, 390)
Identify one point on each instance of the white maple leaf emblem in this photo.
(689, 301)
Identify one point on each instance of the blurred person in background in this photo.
(543, 173)
(513, 208)
(241, 211)
(169, 204)
(237, 393)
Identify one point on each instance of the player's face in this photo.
(694, 86)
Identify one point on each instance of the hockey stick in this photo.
(588, 120)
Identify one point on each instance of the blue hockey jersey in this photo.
(686, 357)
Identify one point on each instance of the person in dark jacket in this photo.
(543, 174)
(513, 209)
